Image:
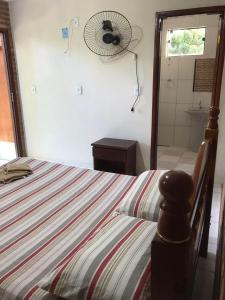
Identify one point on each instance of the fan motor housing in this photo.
(109, 38)
(107, 25)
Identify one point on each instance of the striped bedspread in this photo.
(47, 217)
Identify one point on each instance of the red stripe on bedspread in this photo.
(31, 292)
(142, 283)
(142, 193)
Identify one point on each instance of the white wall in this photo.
(59, 125)
(176, 127)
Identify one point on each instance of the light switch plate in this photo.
(65, 33)
(79, 90)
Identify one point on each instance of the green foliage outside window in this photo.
(186, 42)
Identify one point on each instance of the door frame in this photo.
(220, 55)
(14, 95)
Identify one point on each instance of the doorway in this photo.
(12, 139)
(188, 54)
(188, 67)
(7, 139)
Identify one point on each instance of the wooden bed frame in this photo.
(183, 227)
(219, 282)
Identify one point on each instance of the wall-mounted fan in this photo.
(108, 33)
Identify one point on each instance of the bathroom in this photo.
(188, 52)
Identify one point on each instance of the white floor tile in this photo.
(169, 158)
(173, 151)
(176, 158)
(189, 154)
(188, 168)
(166, 165)
(207, 264)
(203, 289)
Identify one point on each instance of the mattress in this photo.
(47, 217)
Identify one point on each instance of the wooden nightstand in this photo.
(116, 156)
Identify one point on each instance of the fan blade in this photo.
(107, 25)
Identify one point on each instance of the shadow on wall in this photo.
(142, 151)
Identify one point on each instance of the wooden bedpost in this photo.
(170, 250)
(211, 134)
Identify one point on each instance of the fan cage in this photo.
(93, 33)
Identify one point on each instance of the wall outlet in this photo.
(33, 90)
(137, 91)
(79, 90)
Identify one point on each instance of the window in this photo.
(189, 41)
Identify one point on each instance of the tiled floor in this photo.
(203, 289)
(173, 158)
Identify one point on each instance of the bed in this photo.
(48, 216)
(62, 236)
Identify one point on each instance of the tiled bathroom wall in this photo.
(176, 82)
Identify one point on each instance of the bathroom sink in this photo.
(198, 111)
(198, 116)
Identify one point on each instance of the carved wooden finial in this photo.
(176, 188)
(211, 132)
(213, 117)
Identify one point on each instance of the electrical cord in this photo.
(137, 78)
(138, 83)
(70, 29)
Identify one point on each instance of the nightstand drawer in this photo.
(109, 154)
